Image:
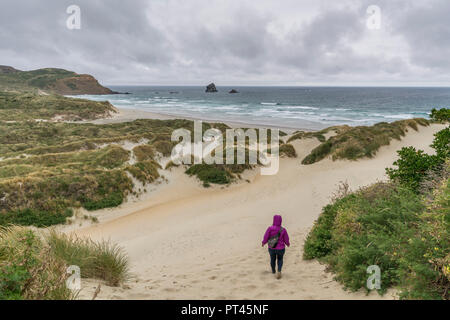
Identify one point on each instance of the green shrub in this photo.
(216, 174)
(441, 144)
(412, 167)
(30, 217)
(108, 201)
(442, 115)
(362, 229)
(425, 262)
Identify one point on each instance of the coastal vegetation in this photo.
(353, 143)
(441, 115)
(48, 168)
(402, 226)
(33, 265)
(51, 80)
(32, 106)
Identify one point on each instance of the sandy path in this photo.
(192, 243)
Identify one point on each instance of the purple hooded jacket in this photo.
(273, 231)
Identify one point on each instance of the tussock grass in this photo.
(65, 167)
(145, 171)
(319, 135)
(100, 260)
(144, 152)
(33, 266)
(288, 150)
(358, 142)
(28, 269)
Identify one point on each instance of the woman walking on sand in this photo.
(276, 237)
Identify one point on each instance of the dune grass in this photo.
(363, 141)
(33, 266)
(30, 106)
(48, 168)
(28, 269)
(100, 260)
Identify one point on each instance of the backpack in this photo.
(274, 240)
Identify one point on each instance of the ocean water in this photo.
(295, 107)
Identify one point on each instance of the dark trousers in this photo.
(276, 256)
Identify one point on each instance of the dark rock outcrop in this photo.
(233, 91)
(211, 88)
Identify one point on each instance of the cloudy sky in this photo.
(233, 42)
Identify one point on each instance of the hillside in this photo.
(51, 80)
(24, 106)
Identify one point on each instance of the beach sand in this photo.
(188, 242)
(126, 115)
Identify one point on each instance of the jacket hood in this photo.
(277, 220)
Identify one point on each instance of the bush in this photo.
(442, 115)
(216, 174)
(362, 229)
(108, 201)
(425, 262)
(30, 217)
(412, 167)
(441, 144)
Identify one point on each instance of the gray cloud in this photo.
(290, 42)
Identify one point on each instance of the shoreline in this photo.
(128, 115)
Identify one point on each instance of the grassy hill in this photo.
(32, 106)
(50, 80)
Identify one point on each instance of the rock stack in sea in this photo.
(211, 88)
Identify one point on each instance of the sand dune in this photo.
(186, 242)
